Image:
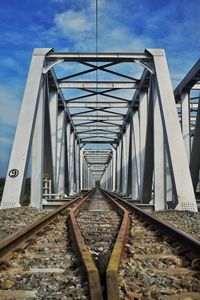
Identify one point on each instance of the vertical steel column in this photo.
(78, 162)
(169, 192)
(135, 155)
(68, 137)
(129, 160)
(48, 156)
(85, 176)
(185, 114)
(37, 166)
(75, 164)
(159, 158)
(61, 152)
(16, 176)
(195, 157)
(123, 166)
(119, 166)
(146, 184)
(81, 169)
(114, 162)
(143, 112)
(71, 163)
(111, 174)
(175, 144)
(106, 177)
(53, 107)
(88, 178)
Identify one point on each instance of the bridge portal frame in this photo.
(149, 140)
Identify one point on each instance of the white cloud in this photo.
(79, 26)
(72, 22)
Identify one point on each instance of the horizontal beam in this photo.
(98, 131)
(98, 104)
(98, 158)
(98, 142)
(104, 57)
(189, 81)
(97, 151)
(96, 134)
(97, 163)
(97, 118)
(98, 85)
(95, 154)
(95, 127)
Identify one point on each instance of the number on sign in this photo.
(13, 173)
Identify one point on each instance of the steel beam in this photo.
(185, 118)
(195, 158)
(135, 156)
(176, 148)
(159, 159)
(98, 104)
(97, 134)
(61, 154)
(98, 142)
(15, 180)
(189, 81)
(37, 170)
(72, 162)
(143, 106)
(97, 118)
(99, 127)
(97, 85)
(53, 107)
(101, 57)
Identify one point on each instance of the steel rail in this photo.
(115, 259)
(13, 241)
(187, 242)
(84, 255)
(113, 265)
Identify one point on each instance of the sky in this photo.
(69, 25)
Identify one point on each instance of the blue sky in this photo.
(69, 25)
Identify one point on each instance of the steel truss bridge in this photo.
(102, 124)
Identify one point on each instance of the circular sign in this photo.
(13, 173)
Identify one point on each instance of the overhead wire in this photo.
(97, 74)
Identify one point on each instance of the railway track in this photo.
(38, 262)
(160, 262)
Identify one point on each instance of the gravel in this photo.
(152, 270)
(185, 220)
(12, 219)
(47, 267)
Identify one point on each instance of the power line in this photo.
(97, 77)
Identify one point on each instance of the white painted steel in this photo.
(14, 186)
(102, 135)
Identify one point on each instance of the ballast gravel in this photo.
(152, 269)
(13, 219)
(46, 269)
(185, 220)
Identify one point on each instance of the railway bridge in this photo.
(110, 120)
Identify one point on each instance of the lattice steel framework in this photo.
(123, 133)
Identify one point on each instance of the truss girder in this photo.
(123, 132)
